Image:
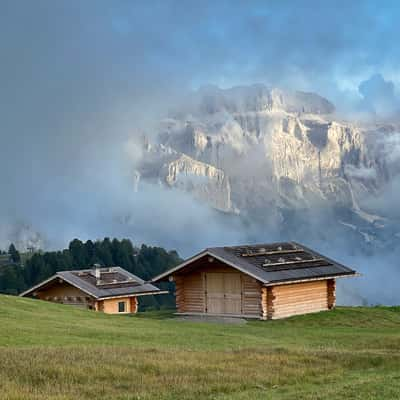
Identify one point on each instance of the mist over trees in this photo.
(17, 275)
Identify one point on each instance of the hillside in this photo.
(51, 351)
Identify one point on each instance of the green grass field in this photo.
(50, 351)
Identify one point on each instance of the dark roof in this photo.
(114, 281)
(273, 262)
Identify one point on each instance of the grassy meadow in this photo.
(51, 351)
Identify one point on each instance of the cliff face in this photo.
(250, 149)
(205, 182)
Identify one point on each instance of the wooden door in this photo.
(215, 293)
(224, 293)
(233, 293)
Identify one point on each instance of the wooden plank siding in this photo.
(251, 300)
(110, 306)
(331, 293)
(210, 286)
(64, 293)
(179, 294)
(298, 298)
(191, 291)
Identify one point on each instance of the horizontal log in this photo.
(309, 295)
(298, 286)
(280, 316)
(283, 310)
(303, 309)
(301, 292)
(248, 285)
(299, 305)
(299, 298)
(304, 291)
(255, 301)
(298, 310)
(278, 289)
(194, 301)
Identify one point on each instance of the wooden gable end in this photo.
(60, 291)
(210, 286)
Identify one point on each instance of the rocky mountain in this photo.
(262, 153)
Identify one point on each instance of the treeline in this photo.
(144, 261)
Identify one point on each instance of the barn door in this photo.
(223, 293)
(233, 294)
(215, 293)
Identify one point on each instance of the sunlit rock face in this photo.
(204, 181)
(251, 150)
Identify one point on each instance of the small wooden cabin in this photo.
(266, 281)
(111, 290)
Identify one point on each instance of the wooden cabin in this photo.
(266, 281)
(111, 290)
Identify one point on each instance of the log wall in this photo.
(64, 293)
(190, 290)
(271, 302)
(251, 299)
(331, 293)
(298, 298)
(179, 294)
(193, 292)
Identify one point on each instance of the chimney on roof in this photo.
(97, 271)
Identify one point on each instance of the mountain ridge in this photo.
(248, 149)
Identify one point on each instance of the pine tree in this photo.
(79, 254)
(145, 262)
(14, 254)
(104, 252)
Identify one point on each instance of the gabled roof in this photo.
(272, 263)
(113, 282)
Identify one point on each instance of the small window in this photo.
(121, 306)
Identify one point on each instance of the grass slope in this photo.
(50, 351)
